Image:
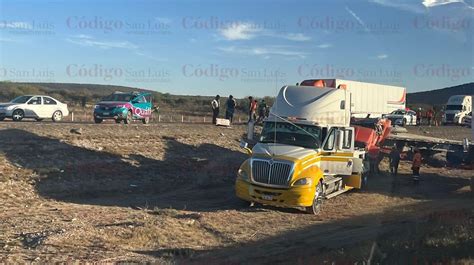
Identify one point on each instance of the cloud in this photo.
(382, 56)
(88, 41)
(240, 31)
(296, 37)
(264, 52)
(434, 3)
(324, 46)
(420, 6)
(250, 30)
(406, 5)
(15, 25)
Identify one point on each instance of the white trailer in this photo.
(367, 98)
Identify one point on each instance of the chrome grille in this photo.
(271, 172)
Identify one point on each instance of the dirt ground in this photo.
(163, 193)
(452, 132)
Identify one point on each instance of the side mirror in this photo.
(244, 145)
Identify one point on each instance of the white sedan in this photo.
(402, 117)
(36, 107)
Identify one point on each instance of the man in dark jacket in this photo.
(230, 105)
(394, 160)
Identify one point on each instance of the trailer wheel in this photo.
(317, 201)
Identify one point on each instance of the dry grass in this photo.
(164, 193)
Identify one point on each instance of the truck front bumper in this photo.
(297, 196)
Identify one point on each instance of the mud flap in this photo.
(354, 181)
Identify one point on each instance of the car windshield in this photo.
(21, 99)
(291, 134)
(454, 107)
(119, 97)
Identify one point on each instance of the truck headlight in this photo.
(303, 181)
(241, 173)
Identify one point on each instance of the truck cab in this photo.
(306, 151)
(457, 107)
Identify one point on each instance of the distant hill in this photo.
(439, 96)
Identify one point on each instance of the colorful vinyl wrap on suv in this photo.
(117, 106)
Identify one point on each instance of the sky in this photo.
(237, 47)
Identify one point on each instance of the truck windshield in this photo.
(21, 99)
(306, 136)
(454, 107)
(119, 97)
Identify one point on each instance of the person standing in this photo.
(230, 108)
(262, 108)
(416, 164)
(373, 161)
(250, 108)
(394, 160)
(215, 104)
(419, 118)
(429, 116)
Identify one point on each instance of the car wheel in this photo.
(57, 116)
(97, 120)
(38, 119)
(18, 115)
(317, 201)
(128, 120)
(2, 118)
(146, 120)
(118, 121)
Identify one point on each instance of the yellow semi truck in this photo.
(306, 152)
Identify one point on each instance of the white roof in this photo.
(312, 105)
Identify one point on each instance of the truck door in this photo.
(338, 152)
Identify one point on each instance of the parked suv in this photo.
(124, 107)
(34, 106)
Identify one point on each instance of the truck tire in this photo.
(97, 120)
(317, 201)
(404, 122)
(2, 118)
(18, 115)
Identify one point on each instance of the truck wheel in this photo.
(18, 115)
(404, 122)
(2, 118)
(118, 121)
(57, 116)
(97, 120)
(317, 201)
(128, 120)
(146, 120)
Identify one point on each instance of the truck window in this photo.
(347, 141)
(454, 107)
(329, 146)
